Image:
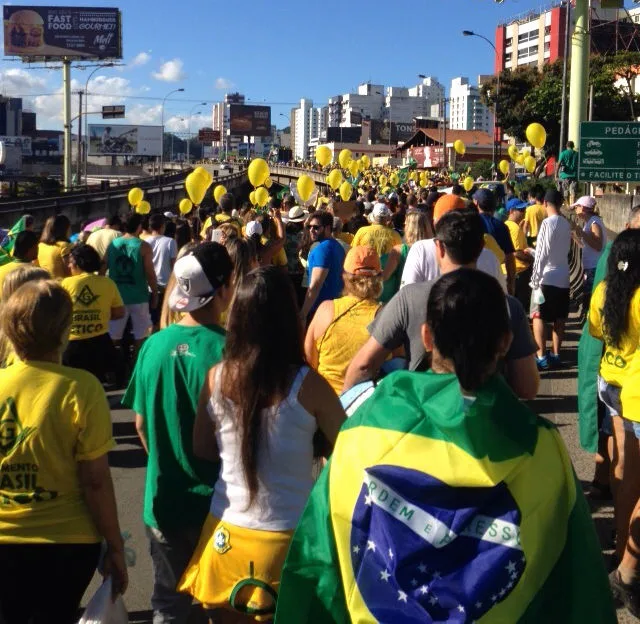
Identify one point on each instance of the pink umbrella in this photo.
(95, 225)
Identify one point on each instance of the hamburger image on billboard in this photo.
(24, 33)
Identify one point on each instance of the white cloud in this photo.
(224, 83)
(145, 115)
(19, 82)
(142, 58)
(171, 71)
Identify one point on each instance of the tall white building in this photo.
(220, 121)
(307, 124)
(466, 110)
(399, 104)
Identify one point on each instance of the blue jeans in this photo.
(170, 555)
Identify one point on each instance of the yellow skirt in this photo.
(237, 568)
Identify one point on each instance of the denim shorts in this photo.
(610, 397)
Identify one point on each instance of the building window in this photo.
(508, 42)
(547, 30)
(507, 57)
(528, 36)
(547, 46)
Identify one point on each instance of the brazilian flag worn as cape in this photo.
(439, 508)
(6, 245)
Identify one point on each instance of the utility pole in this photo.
(79, 154)
(580, 46)
(66, 111)
(565, 63)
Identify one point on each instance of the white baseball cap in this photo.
(380, 211)
(199, 274)
(253, 228)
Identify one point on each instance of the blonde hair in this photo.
(363, 286)
(36, 319)
(167, 315)
(416, 227)
(228, 231)
(13, 280)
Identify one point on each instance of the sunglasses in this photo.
(315, 228)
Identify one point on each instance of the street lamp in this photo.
(86, 120)
(162, 124)
(470, 33)
(189, 128)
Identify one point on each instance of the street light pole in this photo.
(162, 124)
(496, 138)
(86, 120)
(189, 130)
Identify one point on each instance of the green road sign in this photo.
(609, 151)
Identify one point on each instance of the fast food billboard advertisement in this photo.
(48, 33)
(121, 140)
(250, 120)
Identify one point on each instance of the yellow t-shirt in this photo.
(51, 418)
(101, 239)
(93, 296)
(534, 216)
(280, 258)
(519, 241)
(51, 258)
(382, 238)
(615, 363)
(345, 237)
(492, 245)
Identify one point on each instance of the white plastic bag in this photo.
(102, 610)
(537, 299)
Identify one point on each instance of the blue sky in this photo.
(273, 51)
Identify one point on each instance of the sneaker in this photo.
(629, 595)
(542, 363)
(554, 360)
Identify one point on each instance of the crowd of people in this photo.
(235, 333)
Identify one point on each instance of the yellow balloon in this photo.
(258, 171)
(252, 198)
(354, 168)
(394, 180)
(460, 147)
(530, 164)
(334, 179)
(513, 152)
(345, 191)
(143, 207)
(323, 155)
(135, 196)
(196, 186)
(366, 161)
(468, 183)
(261, 196)
(536, 135)
(204, 174)
(305, 186)
(218, 192)
(504, 166)
(520, 159)
(185, 206)
(383, 180)
(423, 182)
(344, 157)
(268, 183)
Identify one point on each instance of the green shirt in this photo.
(164, 390)
(568, 162)
(126, 269)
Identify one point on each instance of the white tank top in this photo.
(285, 462)
(590, 256)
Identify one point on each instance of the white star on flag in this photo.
(390, 553)
(502, 592)
(368, 500)
(494, 598)
(461, 608)
(414, 582)
(371, 545)
(514, 576)
(433, 600)
(384, 576)
(424, 589)
(511, 567)
(510, 585)
(356, 549)
(402, 597)
(478, 605)
(422, 568)
(436, 575)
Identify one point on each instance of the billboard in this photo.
(346, 134)
(23, 142)
(120, 140)
(41, 32)
(250, 120)
(400, 131)
(206, 135)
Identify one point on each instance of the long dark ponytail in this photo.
(623, 278)
(263, 351)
